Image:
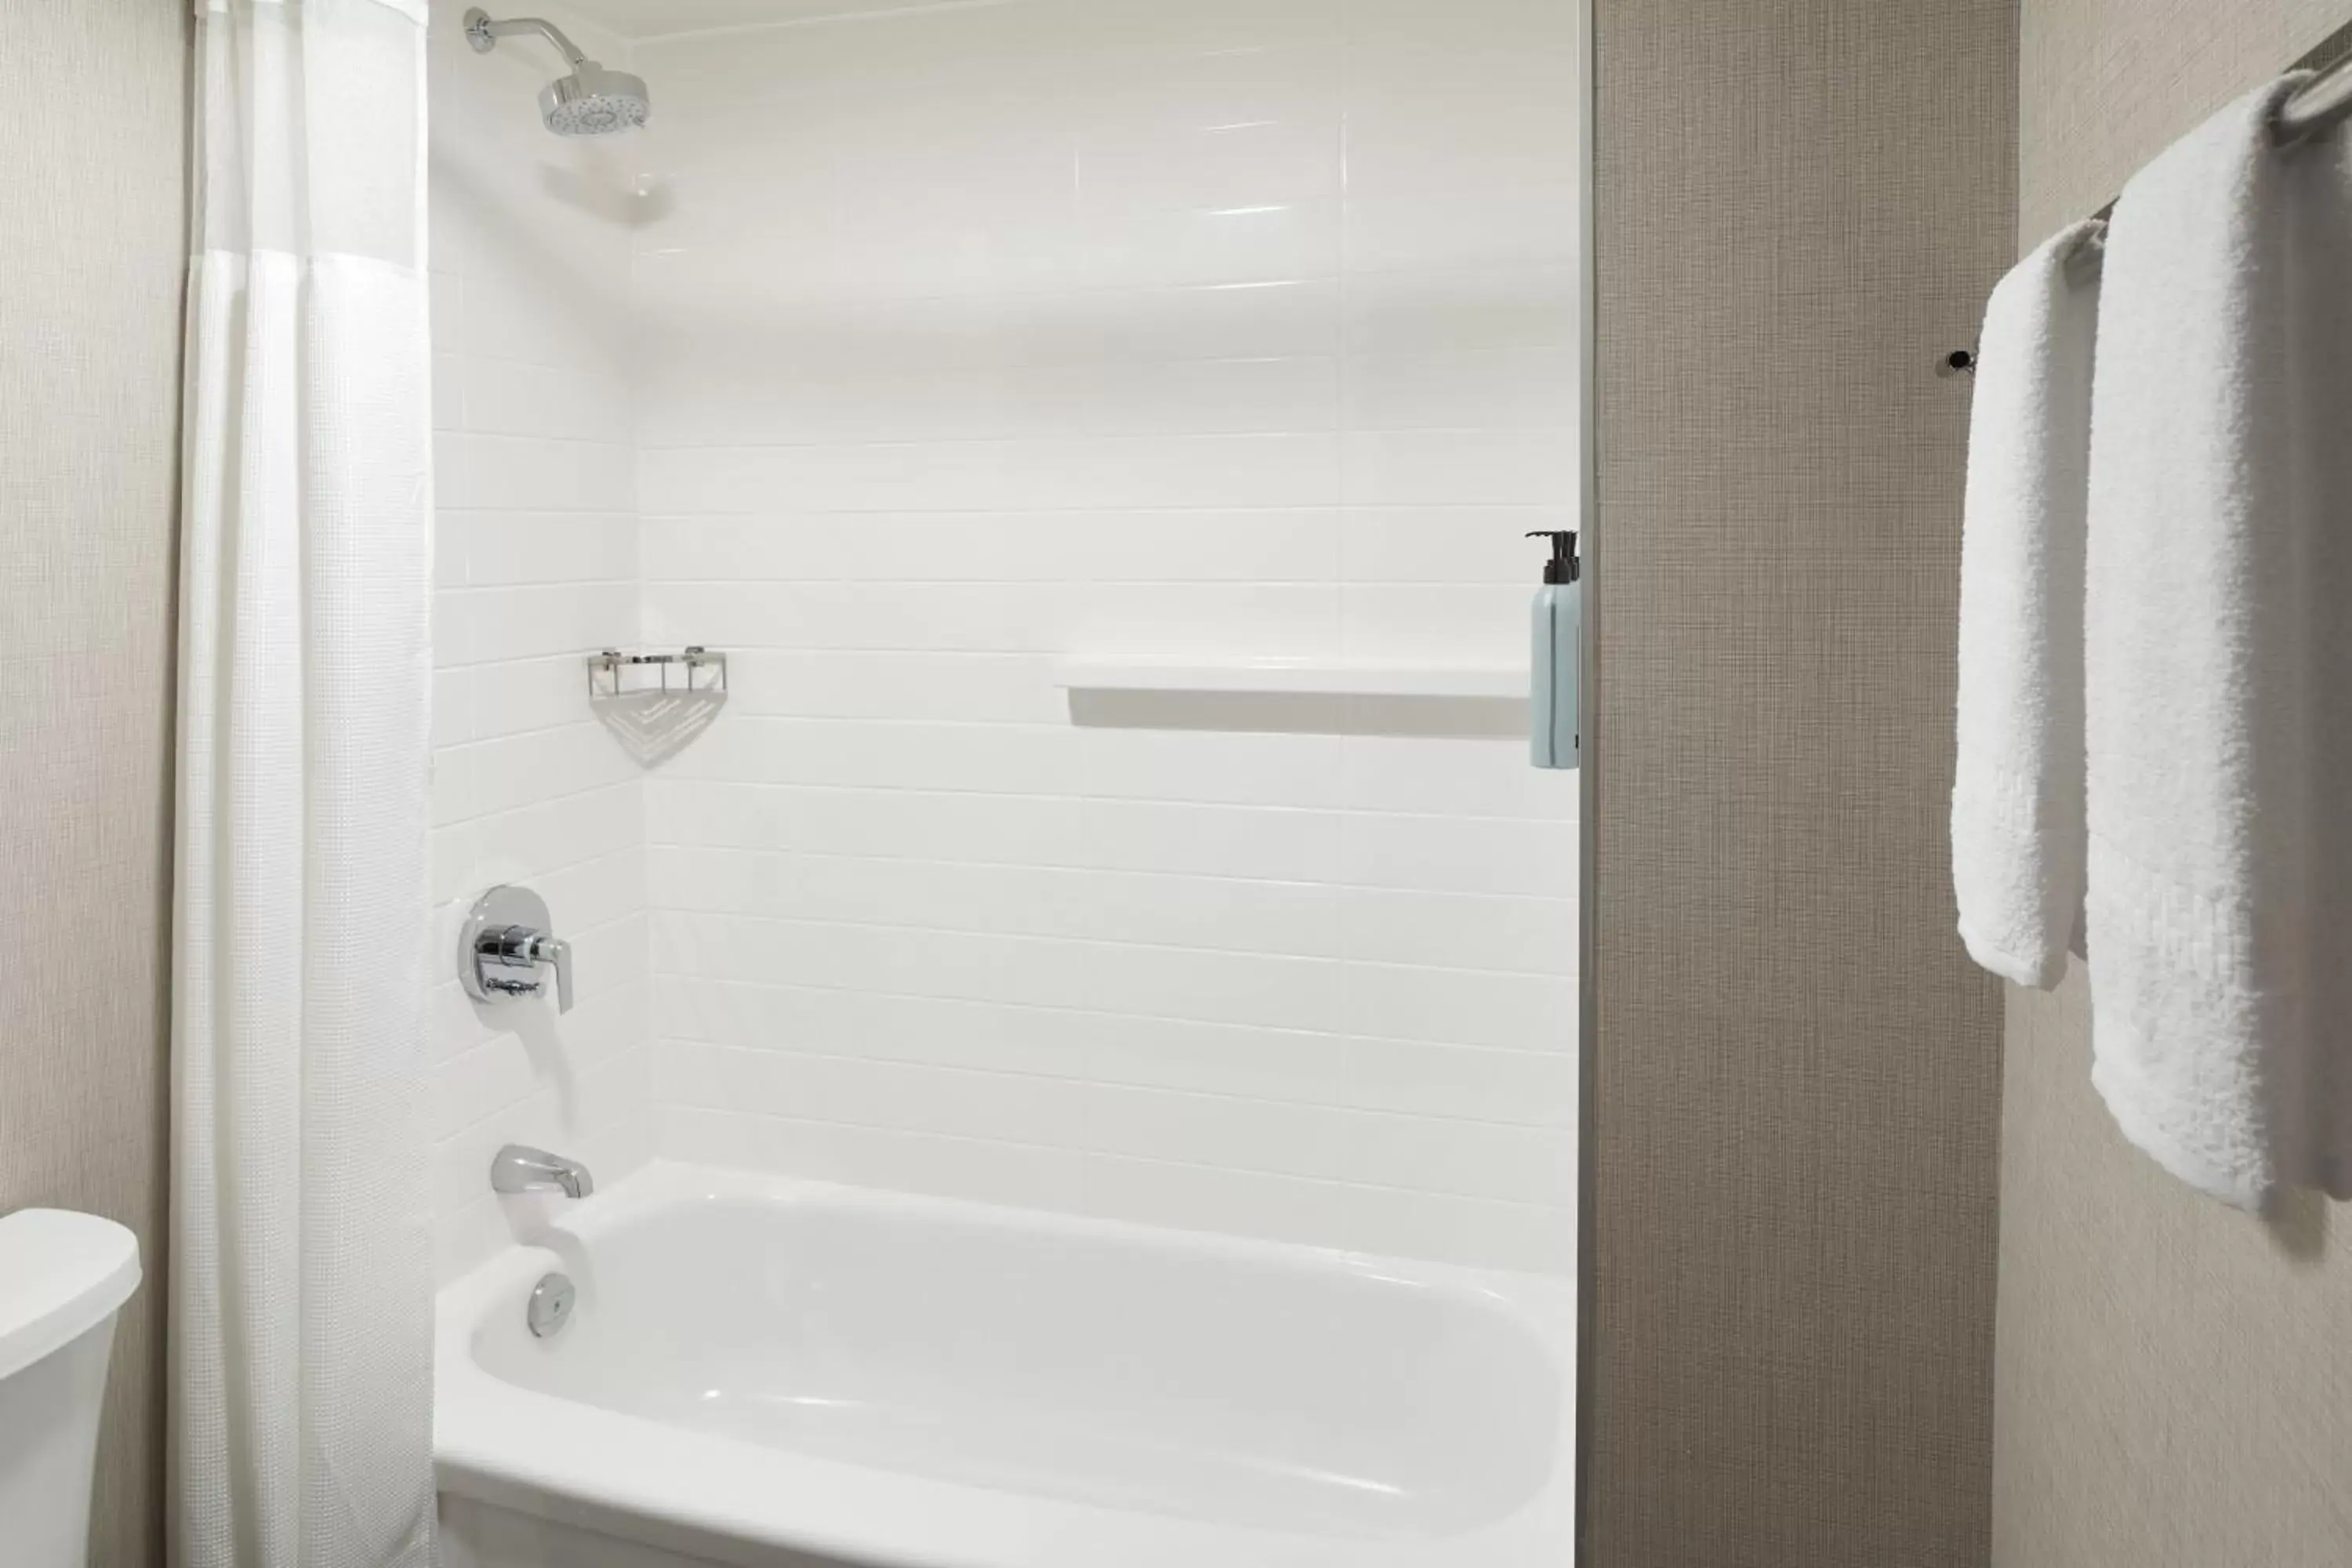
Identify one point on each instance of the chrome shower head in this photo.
(594, 102)
(590, 101)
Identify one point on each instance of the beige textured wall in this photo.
(2104, 85)
(1799, 202)
(91, 258)
(2173, 1381)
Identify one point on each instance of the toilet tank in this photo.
(63, 1277)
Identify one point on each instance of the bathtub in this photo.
(770, 1373)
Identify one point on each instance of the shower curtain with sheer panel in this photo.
(300, 1276)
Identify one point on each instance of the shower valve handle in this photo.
(506, 932)
(520, 947)
(556, 954)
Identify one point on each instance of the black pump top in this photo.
(1563, 566)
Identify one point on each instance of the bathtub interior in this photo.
(1254, 1388)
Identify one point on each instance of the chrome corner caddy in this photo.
(656, 704)
(695, 671)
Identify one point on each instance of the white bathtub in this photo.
(767, 1373)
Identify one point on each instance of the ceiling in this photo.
(653, 18)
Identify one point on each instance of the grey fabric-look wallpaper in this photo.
(2173, 1382)
(92, 258)
(1801, 204)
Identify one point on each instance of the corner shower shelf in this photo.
(654, 703)
(1294, 676)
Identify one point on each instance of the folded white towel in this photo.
(2219, 661)
(2017, 792)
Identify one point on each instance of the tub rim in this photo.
(733, 1500)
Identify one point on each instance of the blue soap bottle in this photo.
(1554, 735)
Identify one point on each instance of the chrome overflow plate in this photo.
(550, 1307)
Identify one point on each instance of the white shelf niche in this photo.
(1294, 676)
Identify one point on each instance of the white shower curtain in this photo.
(300, 1384)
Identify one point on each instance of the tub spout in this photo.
(520, 1170)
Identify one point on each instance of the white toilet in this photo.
(62, 1277)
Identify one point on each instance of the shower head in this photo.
(590, 101)
(593, 101)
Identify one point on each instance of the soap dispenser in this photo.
(1554, 735)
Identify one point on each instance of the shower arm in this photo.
(484, 35)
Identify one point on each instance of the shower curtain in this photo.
(300, 1280)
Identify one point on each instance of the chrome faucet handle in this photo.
(505, 939)
(556, 954)
(519, 1168)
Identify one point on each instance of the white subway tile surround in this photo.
(538, 566)
(901, 354)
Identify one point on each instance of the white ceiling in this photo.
(652, 18)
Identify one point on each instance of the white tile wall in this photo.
(904, 353)
(538, 555)
(964, 336)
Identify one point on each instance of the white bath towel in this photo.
(2017, 792)
(2219, 661)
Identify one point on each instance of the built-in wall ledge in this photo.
(1294, 676)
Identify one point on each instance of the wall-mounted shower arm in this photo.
(484, 34)
(590, 101)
